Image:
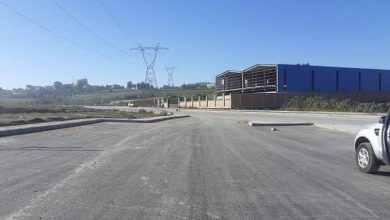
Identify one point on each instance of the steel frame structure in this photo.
(261, 78)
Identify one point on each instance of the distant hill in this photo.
(107, 96)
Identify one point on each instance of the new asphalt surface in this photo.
(209, 166)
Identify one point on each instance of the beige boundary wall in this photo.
(266, 100)
(221, 102)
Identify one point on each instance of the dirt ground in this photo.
(19, 115)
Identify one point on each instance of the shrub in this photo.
(319, 103)
(142, 111)
(164, 113)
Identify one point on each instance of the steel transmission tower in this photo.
(150, 76)
(170, 70)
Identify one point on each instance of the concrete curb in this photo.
(334, 128)
(254, 124)
(290, 112)
(311, 112)
(145, 120)
(32, 128)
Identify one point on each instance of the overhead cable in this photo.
(67, 13)
(113, 18)
(71, 42)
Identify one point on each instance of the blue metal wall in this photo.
(306, 78)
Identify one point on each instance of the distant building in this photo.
(81, 83)
(279, 78)
(18, 91)
(273, 85)
(116, 86)
(210, 85)
(34, 88)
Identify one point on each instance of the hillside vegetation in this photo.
(106, 96)
(103, 97)
(319, 103)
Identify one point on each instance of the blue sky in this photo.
(205, 37)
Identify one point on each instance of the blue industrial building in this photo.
(281, 78)
(306, 78)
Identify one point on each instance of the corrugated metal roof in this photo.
(228, 71)
(257, 66)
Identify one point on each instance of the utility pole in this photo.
(170, 70)
(150, 76)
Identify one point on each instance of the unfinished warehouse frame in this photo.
(260, 78)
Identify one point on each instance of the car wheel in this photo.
(365, 158)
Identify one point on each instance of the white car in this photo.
(372, 145)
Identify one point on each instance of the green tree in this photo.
(58, 85)
(130, 85)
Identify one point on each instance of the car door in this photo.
(386, 140)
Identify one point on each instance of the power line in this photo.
(67, 13)
(109, 12)
(73, 43)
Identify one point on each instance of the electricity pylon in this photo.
(170, 70)
(150, 76)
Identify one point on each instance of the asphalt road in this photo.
(342, 121)
(208, 166)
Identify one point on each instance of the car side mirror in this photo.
(382, 120)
